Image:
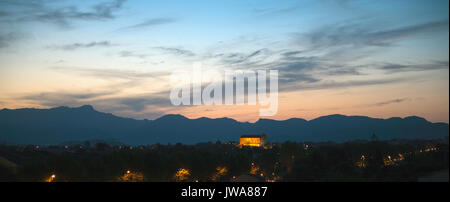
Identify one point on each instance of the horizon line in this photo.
(93, 108)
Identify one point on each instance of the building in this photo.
(252, 140)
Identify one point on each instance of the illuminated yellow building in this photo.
(252, 140)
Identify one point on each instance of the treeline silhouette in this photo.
(288, 161)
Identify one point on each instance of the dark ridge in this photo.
(65, 124)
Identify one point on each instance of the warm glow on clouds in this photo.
(330, 61)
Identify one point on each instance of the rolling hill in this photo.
(64, 124)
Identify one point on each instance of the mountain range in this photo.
(65, 124)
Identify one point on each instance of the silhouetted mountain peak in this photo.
(226, 118)
(172, 117)
(330, 117)
(59, 108)
(82, 109)
(203, 118)
(416, 118)
(297, 119)
(394, 118)
(87, 108)
(262, 120)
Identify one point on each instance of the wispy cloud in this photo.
(395, 68)
(298, 72)
(343, 71)
(145, 105)
(379, 104)
(110, 73)
(74, 46)
(336, 51)
(54, 99)
(7, 38)
(331, 84)
(150, 23)
(131, 54)
(235, 58)
(176, 51)
(362, 35)
(23, 11)
(275, 11)
(291, 53)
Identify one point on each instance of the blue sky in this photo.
(374, 58)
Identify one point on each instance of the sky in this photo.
(372, 58)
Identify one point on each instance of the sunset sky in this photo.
(373, 58)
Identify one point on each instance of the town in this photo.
(252, 159)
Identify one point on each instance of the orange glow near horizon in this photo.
(426, 100)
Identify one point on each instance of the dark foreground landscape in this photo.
(395, 160)
(83, 144)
